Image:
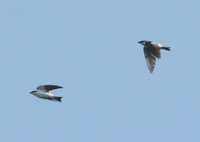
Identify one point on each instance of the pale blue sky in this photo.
(90, 48)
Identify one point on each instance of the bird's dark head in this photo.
(143, 42)
(32, 92)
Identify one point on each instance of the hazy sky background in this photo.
(90, 48)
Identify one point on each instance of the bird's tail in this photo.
(57, 98)
(166, 48)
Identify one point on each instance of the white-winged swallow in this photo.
(43, 92)
(151, 52)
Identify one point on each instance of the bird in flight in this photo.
(151, 52)
(43, 92)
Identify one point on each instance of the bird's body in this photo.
(151, 52)
(43, 92)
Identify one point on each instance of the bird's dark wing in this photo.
(150, 58)
(48, 88)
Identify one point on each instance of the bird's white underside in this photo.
(158, 44)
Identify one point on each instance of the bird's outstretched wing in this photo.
(48, 88)
(150, 58)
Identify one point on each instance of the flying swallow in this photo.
(43, 92)
(151, 52)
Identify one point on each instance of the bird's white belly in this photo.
(44, 95)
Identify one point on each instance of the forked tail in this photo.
(57, 99)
